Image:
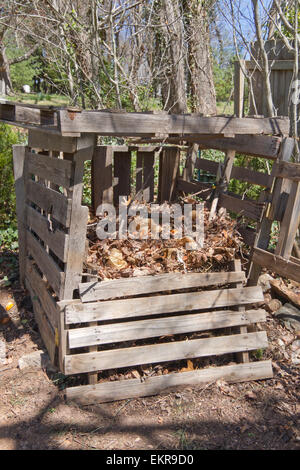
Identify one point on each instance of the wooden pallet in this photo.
(155, 309)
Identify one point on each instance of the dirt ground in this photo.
(34, 414)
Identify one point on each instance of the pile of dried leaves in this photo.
(116, 258)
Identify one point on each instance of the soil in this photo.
(34, 414)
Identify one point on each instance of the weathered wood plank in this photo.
(20, 176)
(239, 85)
(78, 221)
(245, 207)
(134, 388)
(56, 240)
(47, 301)
(194, 187)
(45, 263)
(128, 308)
(148, 175)
(276, 264)
(56, 170)
(273, 64)
(169, 160)
(127, 331)
(102, 187)
(47, 334)
(40, 139)
(92, 291)
(122, 175)
(50, 201)
(287, 170)
(239, 173)
(126, 357)
(290, 223)
(134, 124)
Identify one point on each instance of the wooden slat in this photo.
(148, 176)
(245, 207)
(45, 263)
(134, 124)
(273, 64)
(290, 223)
(92, 291)
(253, 177)
(276, 264)
(134, 330)
(102, 187)
(56, 170)
(56, 240)
(126, 357)
(239, 84)
(47, 301)
(128, 308)
(122, 175)
(168, 172)
(193, 187)
(50, 201)
(78, 221)
(239, 173)
(134, 388)
(287, 170)
(253, 145)
(39, 139)
(20, 176)
(47, 334)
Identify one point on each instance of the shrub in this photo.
(8, 222)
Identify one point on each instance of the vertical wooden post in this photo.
(242, 356)
(263, 234)
(101, 178)
(78, 220)
(19, 162)
(290, 223)
(122, 175)
(168, 173)
(191, 157)
(223, 178)
(239, 84)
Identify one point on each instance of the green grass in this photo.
(40, 99)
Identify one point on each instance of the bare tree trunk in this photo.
(203, 95)
(174, 94)
(5, 81)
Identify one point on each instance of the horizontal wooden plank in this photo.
(46, 332)
(57, 240)
(134, 124)
(163, 352)
(127, 331)
(253, 145)
(40, 139)
(250, 176)
(273, 64)
(248, 234)
(46, 264)
(52, 202)
(244, 207)
(287, 170)
(92, 291)
(56, 170)
(239, 173)
(134, 388)
(39, 287)
(143, 306)
(192, 187)
(276, 264)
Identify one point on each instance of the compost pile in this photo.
(117, 258)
